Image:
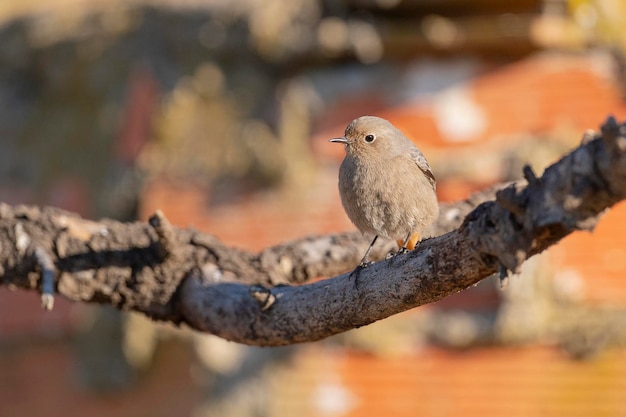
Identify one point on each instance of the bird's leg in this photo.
(364, 263)
(411, 241)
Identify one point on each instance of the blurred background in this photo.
(219, 112)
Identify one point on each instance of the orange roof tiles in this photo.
(531, 381)
(597, 259)
(255, 221)
(538, 94)
(532, 96)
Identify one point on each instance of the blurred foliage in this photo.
(200, 132)
(604, 21)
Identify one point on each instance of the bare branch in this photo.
(246, 297)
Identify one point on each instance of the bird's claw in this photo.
(364, 264)
(357, 271)
(402, 251)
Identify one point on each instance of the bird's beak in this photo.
(339, 140)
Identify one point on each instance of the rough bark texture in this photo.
(184, 276)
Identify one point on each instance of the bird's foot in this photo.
(400, 251)
(404, 249)
(364, 264)
(357, 271)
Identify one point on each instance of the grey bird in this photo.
(387, 187)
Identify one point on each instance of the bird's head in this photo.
(370, 136)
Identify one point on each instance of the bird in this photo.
(386, 185)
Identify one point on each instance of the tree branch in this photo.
(184, 276)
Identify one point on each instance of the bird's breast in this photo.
(389, 198)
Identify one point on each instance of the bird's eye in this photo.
(370, 138)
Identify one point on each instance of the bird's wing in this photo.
(418, 157)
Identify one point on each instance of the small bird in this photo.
(386, 185)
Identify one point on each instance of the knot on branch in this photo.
(263, 296)
(499, 229)
(495, 230)
(46, 265)
(614, 135)
(165, 232)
